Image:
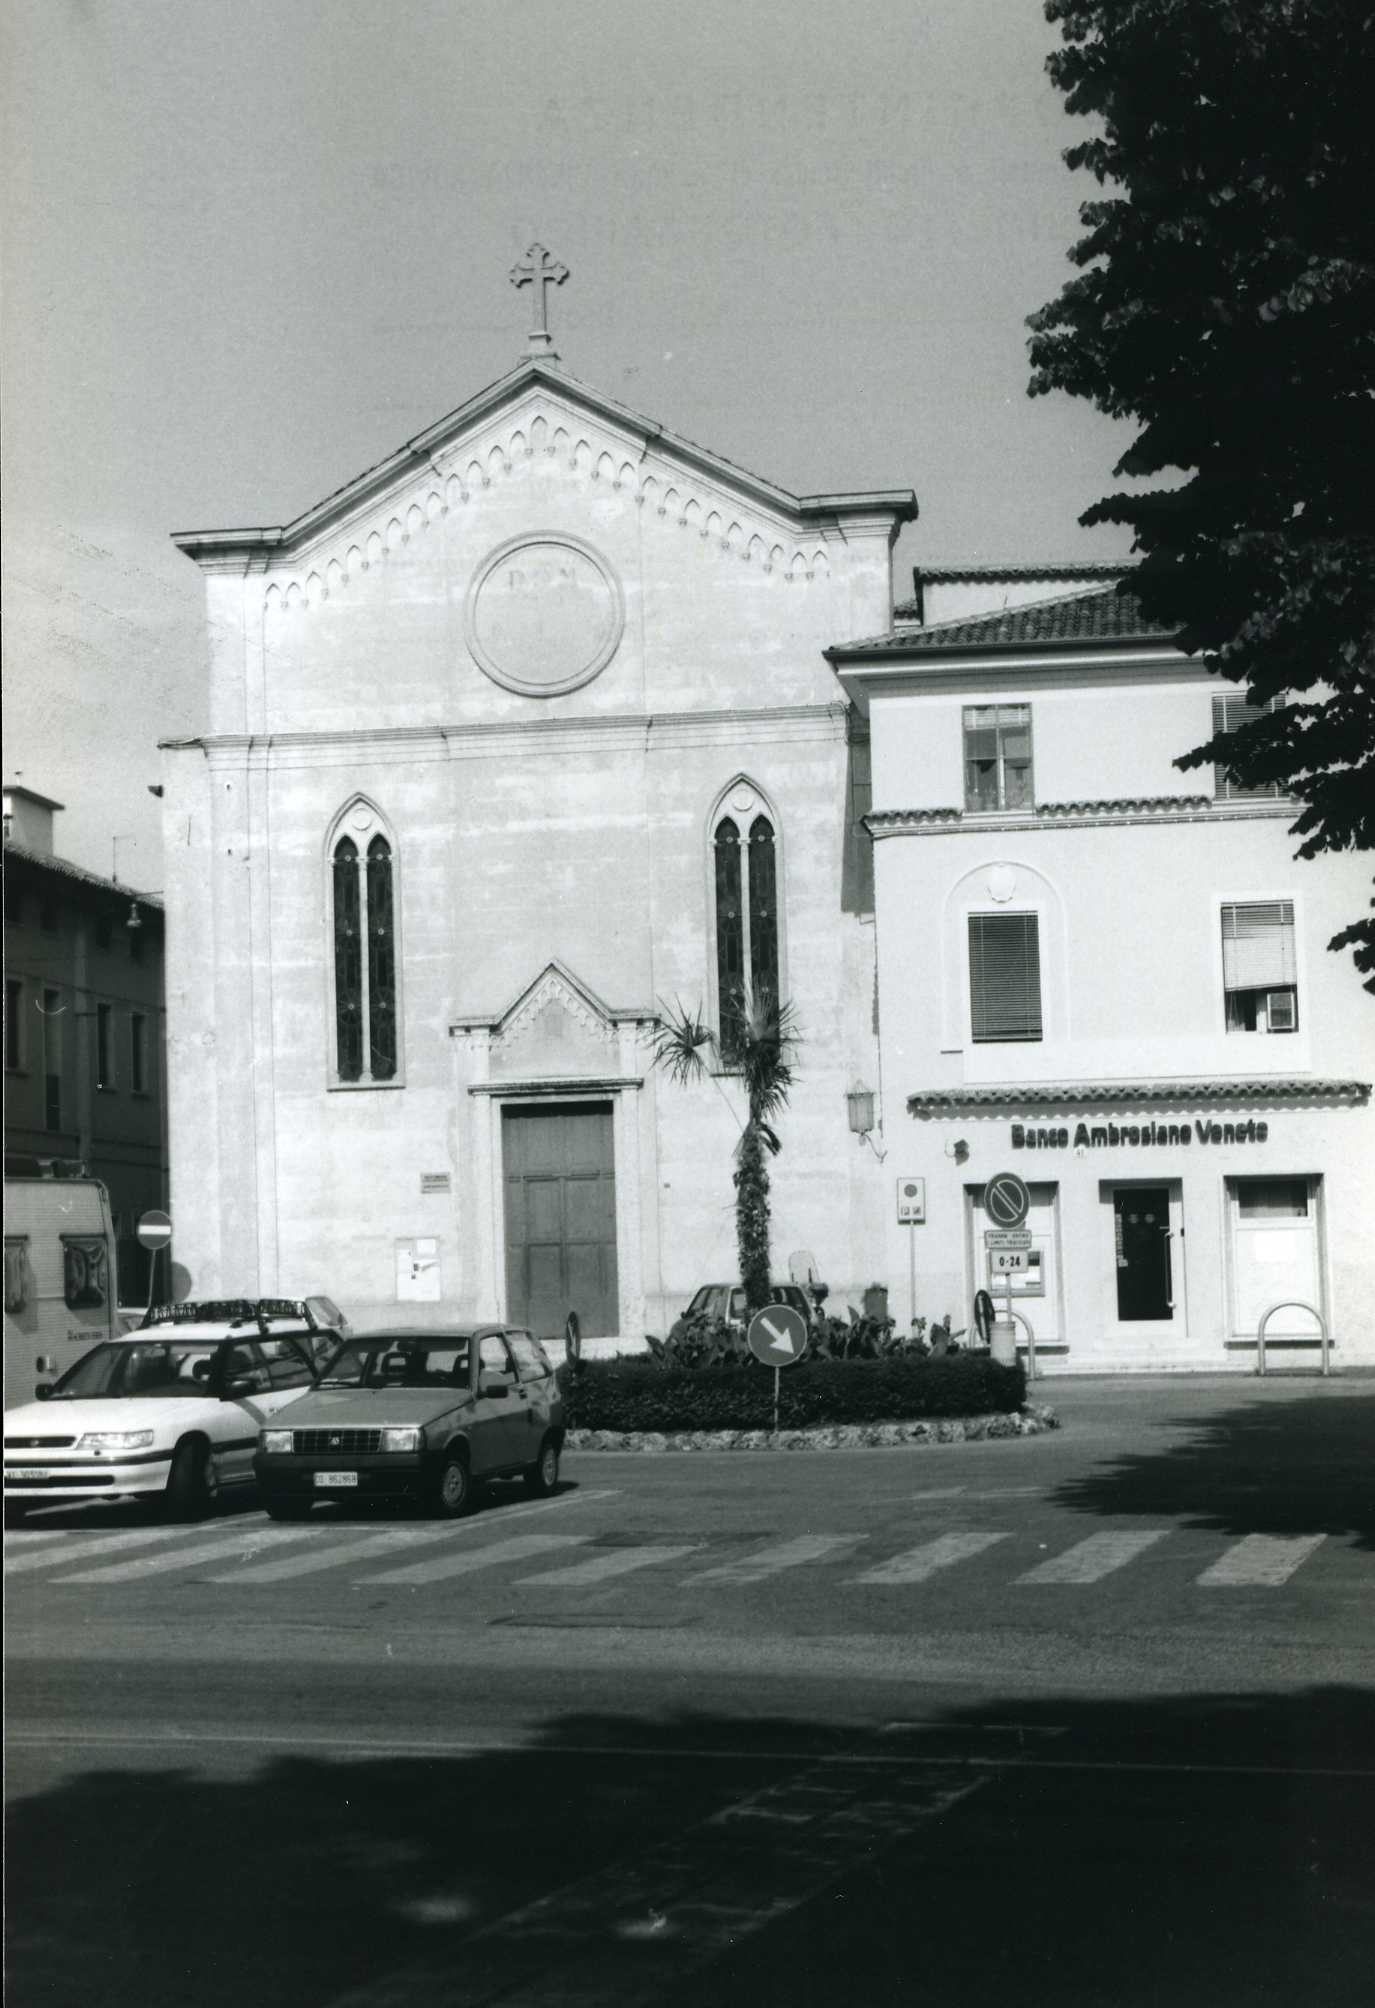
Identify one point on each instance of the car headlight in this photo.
(275, 1442)
(115, 1439)
(401, 1439)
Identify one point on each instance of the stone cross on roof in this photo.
(539, 270)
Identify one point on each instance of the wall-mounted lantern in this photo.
(859, 1101)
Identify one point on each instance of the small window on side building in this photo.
(1260, 966)
(997, 757)
(1230, 713)
(104, 1070)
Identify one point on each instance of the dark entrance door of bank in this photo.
(560, 1180)
(1141, 1232)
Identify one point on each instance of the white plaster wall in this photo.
(1091, 740)
(1337, 1144)
(1132, 990)
(970, 599)
(571, 828)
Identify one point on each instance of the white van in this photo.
(60, 1281)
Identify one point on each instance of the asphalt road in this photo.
(1086, 1718)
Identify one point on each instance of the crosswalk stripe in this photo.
(396, 1540)
(328, 1554)
(770, 1561)
(914, 1565)
(470, 1560)
(619, 1562)
(187, 1558)
(99, 1544)
(1260, 1560)
(1090, 1560)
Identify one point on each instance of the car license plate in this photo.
(330, 1480)
(28, 1474)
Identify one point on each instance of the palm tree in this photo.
(759, 1051)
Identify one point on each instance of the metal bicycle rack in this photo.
(1292, 1304)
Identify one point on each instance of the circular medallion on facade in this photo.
(544, 614)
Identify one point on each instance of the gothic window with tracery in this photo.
(745, 878)
(363, 922)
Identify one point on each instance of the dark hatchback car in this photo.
(423, 1416)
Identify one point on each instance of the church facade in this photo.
(522, 737)
(553, 724)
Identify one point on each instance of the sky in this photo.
(251, 246)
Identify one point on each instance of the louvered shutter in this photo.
(1005, 976)
(1258, 945)
(1229, 715)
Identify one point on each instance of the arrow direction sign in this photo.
(777, 1335)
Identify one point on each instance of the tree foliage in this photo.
(1225, 300)
(761, 1056)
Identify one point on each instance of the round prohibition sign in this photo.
(1006, 1200)
(154, 1229)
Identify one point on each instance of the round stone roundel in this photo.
(544, 614)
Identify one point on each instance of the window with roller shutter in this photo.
(1004, 977)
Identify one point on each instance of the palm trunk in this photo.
(752, 1217)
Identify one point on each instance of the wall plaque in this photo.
(544, 614)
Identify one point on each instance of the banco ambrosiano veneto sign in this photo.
(1113, 1136)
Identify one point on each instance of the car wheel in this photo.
(543, 1475)
(193, 1484)
(453, 1492)
(286, 1508)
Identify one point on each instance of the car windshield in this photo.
(390, 1362)
(147, 1367)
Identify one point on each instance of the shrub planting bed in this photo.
(631, 1396)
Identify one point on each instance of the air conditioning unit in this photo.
(1281, 1014)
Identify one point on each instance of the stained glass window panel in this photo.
(381, 963)
(730, 934)
(348, 961)
(763, 910)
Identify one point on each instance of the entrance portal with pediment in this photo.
(560, 1178)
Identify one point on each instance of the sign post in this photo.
(777, 1336)
(1006, 1205)
(154, 1233)
(911, 1214)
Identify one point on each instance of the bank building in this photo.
(554, 720)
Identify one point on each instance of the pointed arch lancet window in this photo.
(363, 911)
(746, 888)
(381, 962)
(348, 962)
(730, 933)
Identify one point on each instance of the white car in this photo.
(170, 1412)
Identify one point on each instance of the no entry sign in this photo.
(154, 1229)
(1006, 1200)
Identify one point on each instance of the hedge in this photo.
(635, 1394)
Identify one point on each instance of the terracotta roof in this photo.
(62, 868)
(1105, 615)
(1131, 1094)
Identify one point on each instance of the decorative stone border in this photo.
(1029, 1421)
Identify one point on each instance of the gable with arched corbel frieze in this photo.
(459, 476)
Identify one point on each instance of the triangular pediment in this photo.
(557, 1028)
(537, 413)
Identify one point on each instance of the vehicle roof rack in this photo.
(232, 1311)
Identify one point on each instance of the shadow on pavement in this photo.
(1124, 1855)
(1279, 1468)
